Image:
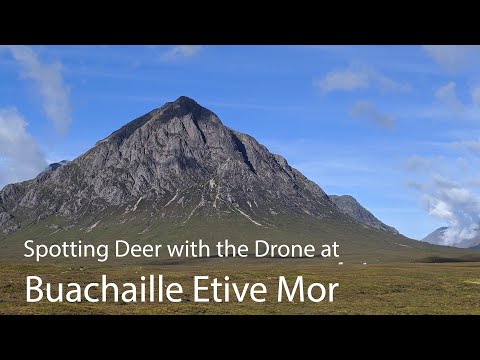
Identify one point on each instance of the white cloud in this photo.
(366, 110)
(452, 57)
(447, 95)
(476, 96)
(386, 84)
(181, 51)
(51, 86)
(358, 77)
(457, 206)
(20, 154)
(343, 80)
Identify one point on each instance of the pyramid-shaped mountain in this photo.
(182, 160)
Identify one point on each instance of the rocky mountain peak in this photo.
(351, 207)
(183, 108)
(185, 103)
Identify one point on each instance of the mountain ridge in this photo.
(351, 207)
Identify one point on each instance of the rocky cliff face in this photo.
(179, 161)
(350, 206)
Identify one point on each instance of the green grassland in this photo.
(356, 242)
(402, 276)
(401, 288)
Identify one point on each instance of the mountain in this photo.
(350, 206)
(181, 160)
(436, 237)
(179, 173)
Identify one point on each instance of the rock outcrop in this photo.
(350, 206)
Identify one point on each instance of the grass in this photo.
(402, 288)
(402, 276)
(357, 243)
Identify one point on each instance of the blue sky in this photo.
(394, 126)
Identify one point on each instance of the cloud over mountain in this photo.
(457, 206)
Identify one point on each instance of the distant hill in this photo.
(436, 237)
(350, 206)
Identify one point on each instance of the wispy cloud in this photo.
(416, 163)
(181, 52)
(51, 86)
(457, 206)
(19, 151)
(470, 145)
(386, 84)
(447, 95)
(343, 80)
(357, 77)
(366, 110)
(453, 58)
(413, 184)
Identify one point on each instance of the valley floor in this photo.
(447, 288)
